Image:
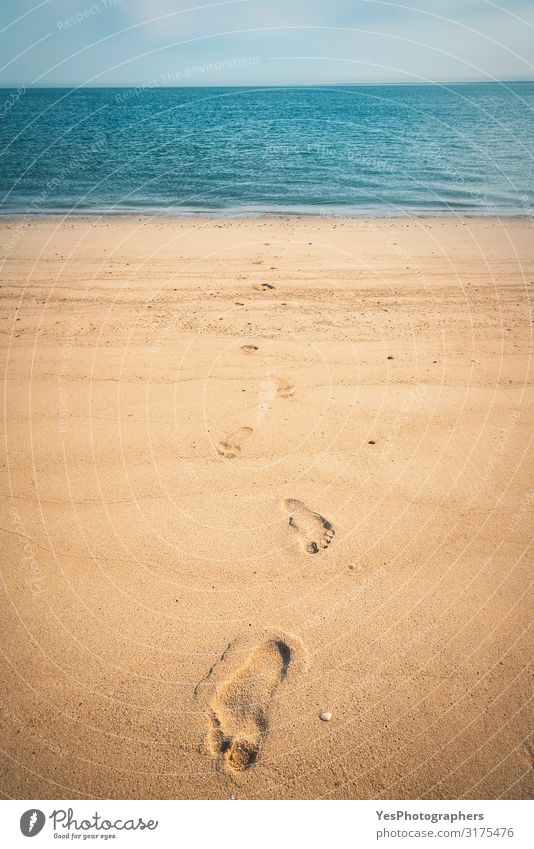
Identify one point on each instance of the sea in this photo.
(362, 150)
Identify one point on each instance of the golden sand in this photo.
(256, 471)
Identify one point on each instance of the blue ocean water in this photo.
(349, 150)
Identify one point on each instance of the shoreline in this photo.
(211, 216)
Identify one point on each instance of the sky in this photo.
(263, 42)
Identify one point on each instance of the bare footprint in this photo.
(314, 531)
(239, 709)
(284, 389)
(231, 445)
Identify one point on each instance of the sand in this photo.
(258, 470)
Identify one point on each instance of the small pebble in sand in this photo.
(326, 716)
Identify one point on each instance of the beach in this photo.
(258, 470)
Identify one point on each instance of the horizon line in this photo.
(148, 85)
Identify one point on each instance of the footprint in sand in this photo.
(314, 531)
(248, 349)
(284, 389)
(239, 710)
(232, 444)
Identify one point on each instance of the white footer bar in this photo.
(268, 825)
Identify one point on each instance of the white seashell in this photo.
(326, 716)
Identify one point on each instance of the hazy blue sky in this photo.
(195, 42)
